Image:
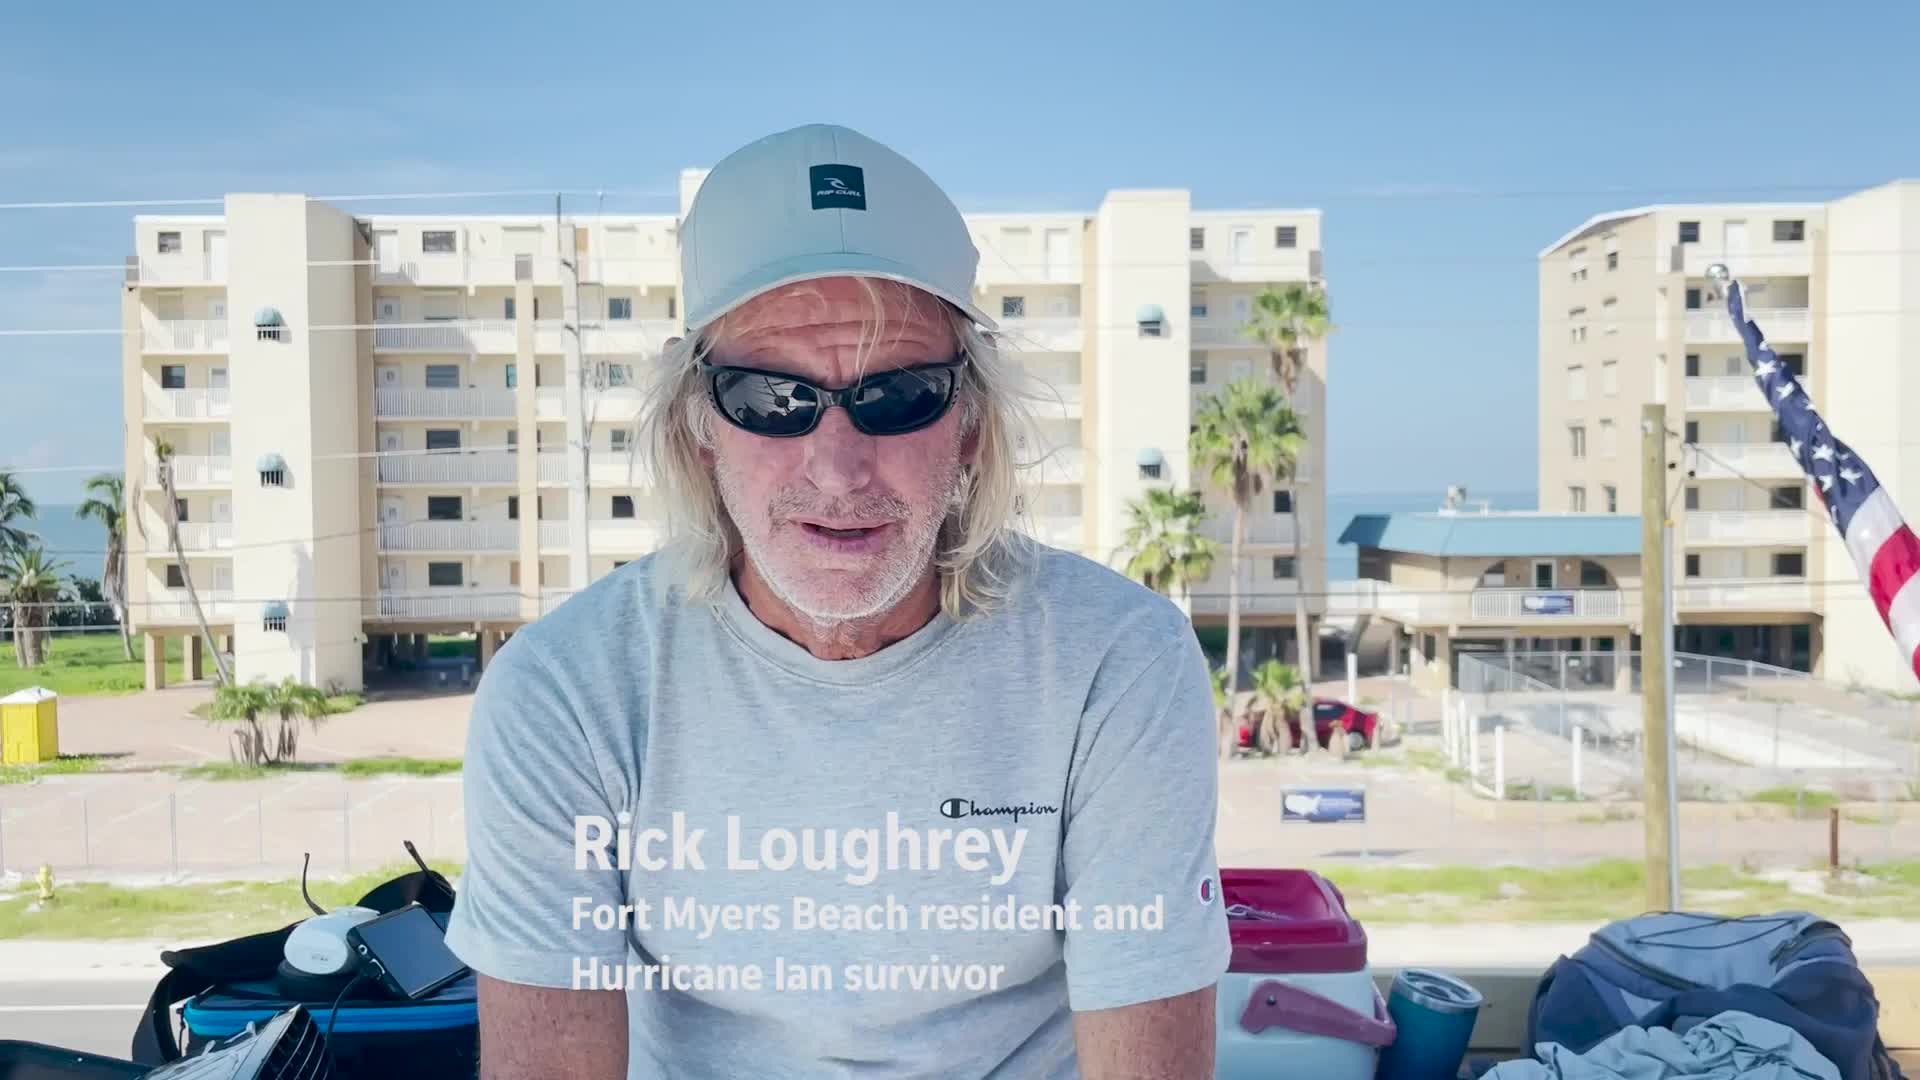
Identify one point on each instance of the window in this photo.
(173, 376)
(617, 440)
(1578, 331)
(1013, 307)
(1283, 502)
(623, 506)
(1788, 497)
(437, 242)
(513, 440)
(615, 374)
(1777, 433)
(1197, 307)
(618, 563)
(513, 376)
(1577, 264)
(1789, 232)
(1607, 312)
(169, 243)
(443, 376)
(1692, 431)
(1693, 565)
(443, 439)
(1689, 232)
(513, 572)
(1609, 444)
(671, 308)
(1613, 498)
(1593, 575)
(1577, 383)
(1196, 370)
(1577, 499)
(1019, 504)
(1286, 236)
(1150, 471)
(1693, 498)
(1693, 299)
(1610, 377)
(444, 508)
(619, 307)
(180, 510)
(1789, 564)
(513, 508)
(1429, 645)
(1613, 260)
(440, 574)
(509, 309)
(1693, 365)
(1794, 362)
(1577, 436)
(1196, 239)
(175, 580)
(1282, 567)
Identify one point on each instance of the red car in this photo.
(1358, 726)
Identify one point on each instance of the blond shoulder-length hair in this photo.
(980, 555)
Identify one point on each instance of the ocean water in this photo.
(80, 545)
(1343, 559)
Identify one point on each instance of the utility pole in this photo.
(579, 566)
(1656, 662)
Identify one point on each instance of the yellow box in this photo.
(30, 726)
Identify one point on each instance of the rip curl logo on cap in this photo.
(1206, 890)
(837, 187)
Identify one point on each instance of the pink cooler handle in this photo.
(1278, 1004)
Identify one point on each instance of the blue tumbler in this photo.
(1433, 1015)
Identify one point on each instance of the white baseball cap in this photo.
(820, 201)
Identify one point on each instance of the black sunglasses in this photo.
(781, 405)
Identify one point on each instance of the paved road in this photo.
(95, 1016)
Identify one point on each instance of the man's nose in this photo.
(839, 456)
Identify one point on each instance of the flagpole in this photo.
(1656, 661)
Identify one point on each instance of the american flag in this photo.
(1885, 552)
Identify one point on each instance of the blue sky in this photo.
(1446, 144)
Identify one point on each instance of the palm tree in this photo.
(29, 580)
(1242, 437)
(294, 701)
(163, 457)
(1164, 542)
(106, 503)
(1282, 693)
(1288, 319)
(1224, 714)
(243, 705)
(15, 506)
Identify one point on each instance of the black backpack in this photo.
(231, 984)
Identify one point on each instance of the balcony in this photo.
(1715, 327)
(553, 598)
(636, 337)
(1065, 465)
(1724, 393)
(1058, 530)
(1743, 594)
(437, 269)
(438, 336)
(549, 403)
(1367, 596)
(451, 467)
(625, 536)
(447, 604)
(555, 535)
(195, 536)
(493, 337)
(182, 269)
(1760, 259)
(1042, 334)
(214, 403)
(1257, 265)
(443, 403)
(1749, 526)
(553, 467)
(505, 270)
(173, 606)
(197, 471)
(549, 336)
(1210, 598)
(185, 336)
(615, 471)
(1735, 461)
(1261, 528)
(648, 270)
(451, 536)
(1529, 604)
(1220, 334)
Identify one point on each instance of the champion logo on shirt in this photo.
(1206, 890)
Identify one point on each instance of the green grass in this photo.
(1805, 799)
(336, 704)
(1528, 792)
(1599, 892)
(233, 770)
(88, 664)
(180, 914)
(399, 766)
(64, 765)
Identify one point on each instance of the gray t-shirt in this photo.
(1006, 818)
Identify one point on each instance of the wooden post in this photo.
(1656, 623)
(1833, 838)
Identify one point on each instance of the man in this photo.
(847, 715)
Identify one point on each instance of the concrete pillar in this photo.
(196, 649)
(226, 644)
(1622, 664)
(155, 648)
(1393, 650)
(488, 643)
(419, 648)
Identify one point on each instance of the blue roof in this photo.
(1498, 534)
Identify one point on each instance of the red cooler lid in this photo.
(1290, 922)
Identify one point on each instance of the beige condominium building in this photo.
(1629, 316)
(385, 427)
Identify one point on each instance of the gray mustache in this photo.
(793, 504)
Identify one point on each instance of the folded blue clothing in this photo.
(1729, 1046)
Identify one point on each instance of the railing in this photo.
(1749, 526)
(203, 535)
(451, 467)
(646, 336)
(625, 535)
(496, 270)
(549, 336)
(197, 471)
(1715, 327)
(174, 607)
(1546, 603)
(555, 535)
(423, 337)
(1261, 528)
(617, 472)
(1042, 334)
(451, 536)
(448, 268)
(1727, 392)
(1366, 596)
(1211, 599)
(181, 269)
(631, 269)
(443, 403)
(553, 598)
(184, 336)
(1219, 333)
(549, 403)
(1744, 594)
(497, 337)
(1736, 461)
(553, 467)
(1059, 530)
(450, 604)
(1261, 263)
(206, 404)
(1764, 257)
(1063, 465)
